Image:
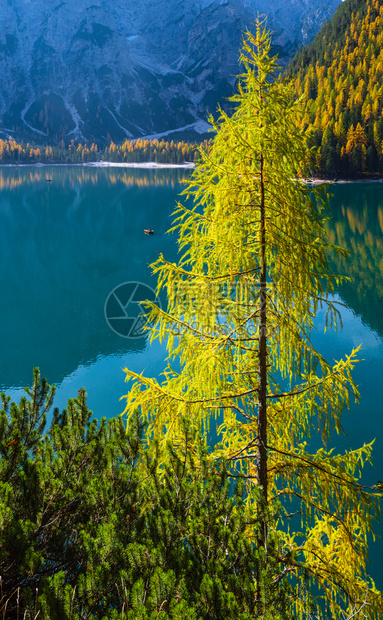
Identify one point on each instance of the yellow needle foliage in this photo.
(340, 78)
(242, 299)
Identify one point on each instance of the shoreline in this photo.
(149, 165)
(314, 181)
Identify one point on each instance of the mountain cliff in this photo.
(95, 69)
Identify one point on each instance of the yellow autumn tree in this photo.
(242, 300)
(339, 74)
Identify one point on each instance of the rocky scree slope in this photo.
(101, 70)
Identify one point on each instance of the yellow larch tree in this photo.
(242, 301)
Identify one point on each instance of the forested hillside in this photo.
(341, 77)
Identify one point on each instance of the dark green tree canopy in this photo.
(90, 528)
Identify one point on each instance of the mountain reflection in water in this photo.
(357, 225)
(64, 246)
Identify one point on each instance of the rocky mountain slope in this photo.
(101, 70)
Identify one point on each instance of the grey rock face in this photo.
(101, 69)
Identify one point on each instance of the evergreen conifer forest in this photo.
(91, 528)
(340, 77)
(138, 518)
(130, 151)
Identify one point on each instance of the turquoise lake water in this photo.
(65, 245)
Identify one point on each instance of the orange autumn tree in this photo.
(339, 76)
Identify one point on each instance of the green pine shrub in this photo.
(91, 527)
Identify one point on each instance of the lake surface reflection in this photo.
(67, 243)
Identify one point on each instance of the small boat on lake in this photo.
(48, 180)
(148, 231)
